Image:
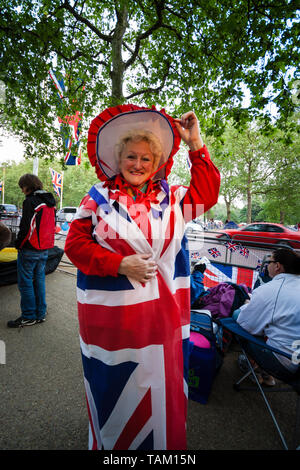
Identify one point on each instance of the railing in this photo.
(13, 223)
(231, 260)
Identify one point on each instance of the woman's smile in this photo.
(136, 163)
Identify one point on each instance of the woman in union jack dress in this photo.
(133, 283)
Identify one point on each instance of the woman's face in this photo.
(25, 190)
(136, 163)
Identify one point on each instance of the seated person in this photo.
(5, 236)
(274, 312)
(197, 287)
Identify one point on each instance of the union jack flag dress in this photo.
(134, 337)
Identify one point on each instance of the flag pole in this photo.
(3, 185)
(36, 166)
(62, 187)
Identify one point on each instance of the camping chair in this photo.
(244, 339)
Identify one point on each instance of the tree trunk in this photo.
(117, 73)
(282, 214)
(228, 209)
(249, 206)
(249, 195)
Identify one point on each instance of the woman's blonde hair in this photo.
(137, 135)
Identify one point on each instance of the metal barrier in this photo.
(13, 223)
(231, 260)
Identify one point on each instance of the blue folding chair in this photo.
(245, 341)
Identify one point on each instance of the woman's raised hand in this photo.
(188, 128)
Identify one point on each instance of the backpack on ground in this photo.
(42, 228)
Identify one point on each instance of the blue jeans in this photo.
(31, 282)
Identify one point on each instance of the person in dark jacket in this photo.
(31, 262)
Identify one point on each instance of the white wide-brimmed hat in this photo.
(109, 126)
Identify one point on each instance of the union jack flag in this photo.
(58, 83)
(214, 252)
(135, 353)
(218, 272)
(57, 181)
(244, 251)
(1, 184)
(232, 246)
(195, 255)
(70, 131)
(259, 263)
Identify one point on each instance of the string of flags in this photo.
(231, 246)
(242, 250)
(70, 126)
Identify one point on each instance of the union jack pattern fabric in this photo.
(195, 255)
(71, 131)
(1, 184)
(135, 337)
(57, 181)
(259, 263)
(218, 272)
(58, 83)
(232, 246)
(130, 385)
(214, 252)
(244, 251)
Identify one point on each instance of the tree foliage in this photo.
(76, 182)
(254, 165)
(181, 54)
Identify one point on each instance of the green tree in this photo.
(256, 210)
(219, 212)
(256, 164)
(184, 54)
(229, 174)
(281, 196)
(77, 181)
(180, 173)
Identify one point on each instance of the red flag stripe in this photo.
(135, 424)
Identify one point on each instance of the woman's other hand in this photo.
(139, 267)
(188, 128)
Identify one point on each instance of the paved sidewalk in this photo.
(42, 394)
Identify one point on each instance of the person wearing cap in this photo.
(133, 283)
